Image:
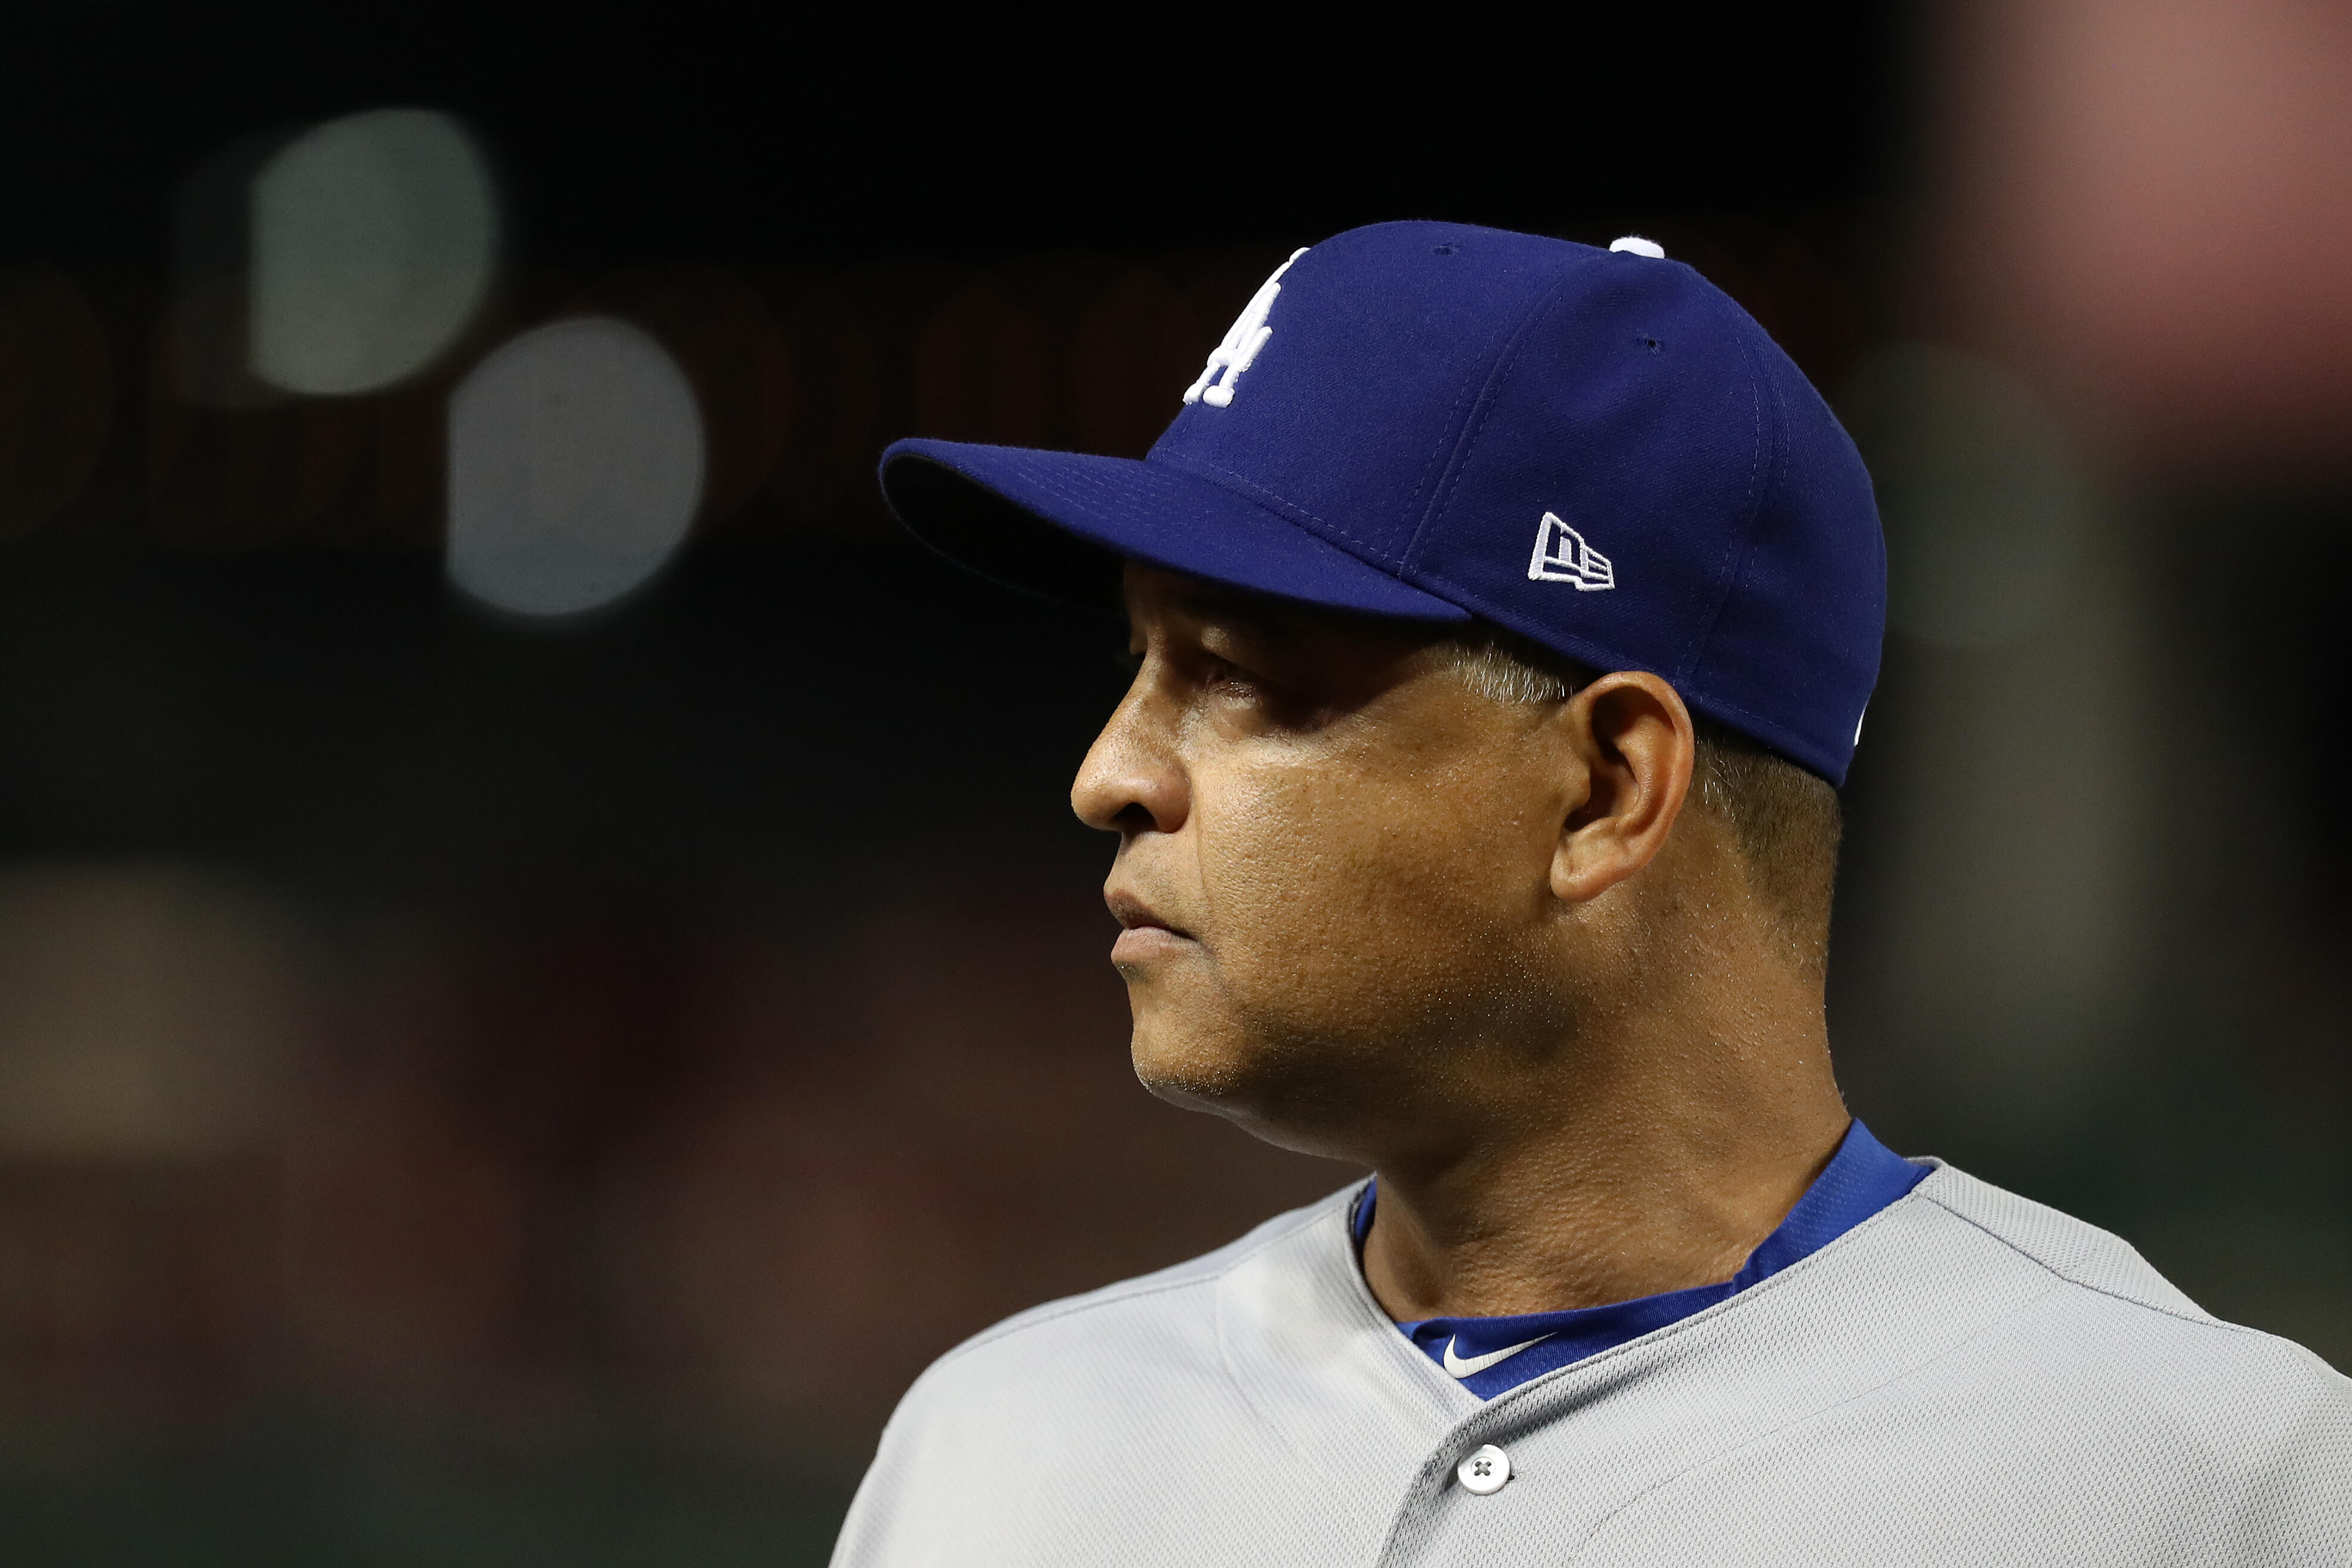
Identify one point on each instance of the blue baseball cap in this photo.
(1596, 449)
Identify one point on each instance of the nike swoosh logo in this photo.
(1457, 1367)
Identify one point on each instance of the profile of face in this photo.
(1344, 873)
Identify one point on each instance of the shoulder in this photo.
(2072, 1251)
(1090, 1387)
(2111, 1318)
(1162, 1322)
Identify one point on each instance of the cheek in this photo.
(1334, 890)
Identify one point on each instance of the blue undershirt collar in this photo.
(1488, 1355)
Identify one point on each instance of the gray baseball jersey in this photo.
(1967, 1377)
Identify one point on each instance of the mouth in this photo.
(1143, 932)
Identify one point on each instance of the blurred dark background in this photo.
(523, 1024)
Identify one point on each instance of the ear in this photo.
(1639, 748)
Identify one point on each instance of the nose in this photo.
(1133, 780)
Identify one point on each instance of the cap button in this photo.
(1639, 247)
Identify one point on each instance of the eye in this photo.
(1225, 673)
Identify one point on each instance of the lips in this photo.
(1133, 914)
(1142, 931)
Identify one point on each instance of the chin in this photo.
(1279, 1094)
(1189, 1067)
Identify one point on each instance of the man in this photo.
(1505, 611)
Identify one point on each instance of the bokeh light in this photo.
(575, 467)
(2145, 201)
(374, 241)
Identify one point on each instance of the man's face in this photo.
(1333, 860)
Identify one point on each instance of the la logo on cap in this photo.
(1240, 349)
(1562, 556)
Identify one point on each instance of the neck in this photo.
(1651, 1159)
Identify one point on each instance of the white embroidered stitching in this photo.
(1562, 556)
(1248, 335)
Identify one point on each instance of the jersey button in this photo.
(1485, 1471)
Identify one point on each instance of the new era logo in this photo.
(1562, 556)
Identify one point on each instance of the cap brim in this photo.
(1060, 524)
